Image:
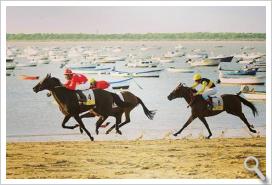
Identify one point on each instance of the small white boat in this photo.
(144, 74)
(143, 64)
(97, 70)
(222, 58)
(251, 94)
(255, 95)
(120, 84)
(10, 64)
(32, 63)
(180, 70)
(43, 60)
(82, 65)
(205, 62)
(171, 54)
(258, 80)
(112, 59)
(194, 56)
(165, 59)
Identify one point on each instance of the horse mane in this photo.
(188, 88)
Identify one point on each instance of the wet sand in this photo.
(194, 158)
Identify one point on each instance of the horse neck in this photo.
(58, 94)
(187, 95)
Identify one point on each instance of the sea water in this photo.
(36, 117)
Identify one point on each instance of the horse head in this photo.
(48, 83)
(180, 91)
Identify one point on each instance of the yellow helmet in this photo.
(197, 76)
(92, 80)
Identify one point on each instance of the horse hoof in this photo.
(81, 131)
(107, 132)
(208, 137)
(175, 134)
(97, 132)
(119, 132)
(254, 131)
(92, 139)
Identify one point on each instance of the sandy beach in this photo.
(194, 158)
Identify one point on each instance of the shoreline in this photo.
(183, 158)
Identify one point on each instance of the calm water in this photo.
(35, 117)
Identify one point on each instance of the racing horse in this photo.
(129, 98)
(70, 107)
(232, 105)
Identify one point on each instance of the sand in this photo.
(194, 158)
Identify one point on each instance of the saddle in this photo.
(86, 97)
(214, 103)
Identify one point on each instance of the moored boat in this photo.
(120, 84)
(143, 64)
(251, 94)
(242, 72)
(146, 74)
(96, 70)
(10, 64)
(205, 62)
(259, 80)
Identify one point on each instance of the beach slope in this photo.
(194, 158)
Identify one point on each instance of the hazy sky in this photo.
(134, 19)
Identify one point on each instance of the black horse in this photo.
(232, 105)
(70, 107)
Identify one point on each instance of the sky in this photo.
(106, 20)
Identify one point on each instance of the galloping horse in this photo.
(130, 99)
(232, 105)
(70, 107)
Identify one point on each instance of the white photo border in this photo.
(5, 4)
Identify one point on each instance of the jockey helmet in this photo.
(92, 80)
(68, 72)
(197, 76)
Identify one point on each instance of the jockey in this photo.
(208, 87)
(98, 84)
(75, 81)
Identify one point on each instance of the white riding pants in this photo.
(209, 92)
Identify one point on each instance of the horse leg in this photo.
(99, 123)
(122, 124)
(77, 118)
(191, 118)
(206, 125)
(65, 120)
(243, 118)
(118, 121)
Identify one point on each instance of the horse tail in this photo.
(149, 113)
(249, 104)
(119, 102)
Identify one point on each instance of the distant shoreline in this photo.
(185, 36)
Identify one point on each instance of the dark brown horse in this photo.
(130, 99)
(70, 107)
(232, 105)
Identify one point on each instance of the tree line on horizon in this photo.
(130, 36)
